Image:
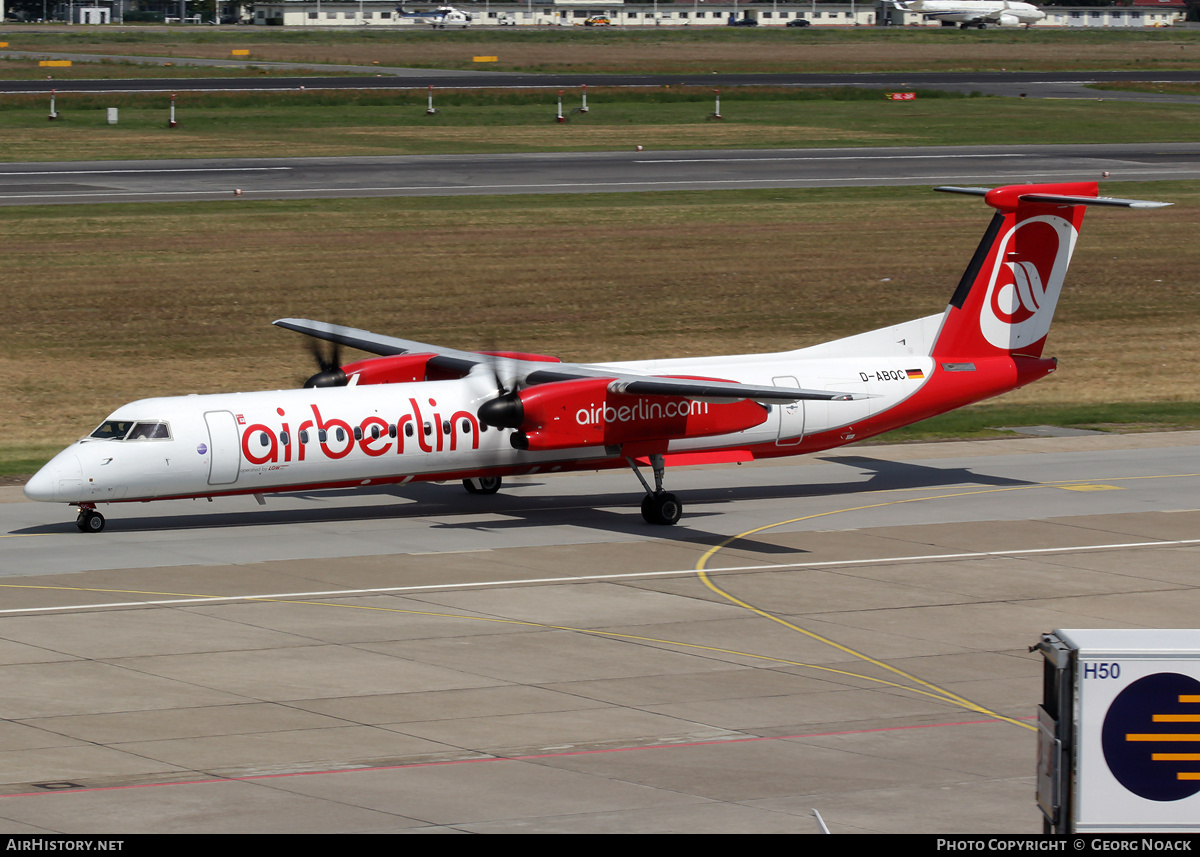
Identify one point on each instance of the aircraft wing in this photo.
(959, 16)
(967, 15)
(531, 372)
(375, 343)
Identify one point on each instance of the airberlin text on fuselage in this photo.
(335, 438)
(643, 410)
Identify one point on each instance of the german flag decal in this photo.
(915, 374)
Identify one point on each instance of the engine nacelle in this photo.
(583, 413)
(1009, 21)
(397, 369)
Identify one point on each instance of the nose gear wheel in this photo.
(89, 520)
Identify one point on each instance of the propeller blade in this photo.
(505, 410)
(329, 362)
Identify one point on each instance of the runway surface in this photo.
(586, 172)
(420, 659)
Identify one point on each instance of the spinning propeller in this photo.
(329, 361)
(506, 410)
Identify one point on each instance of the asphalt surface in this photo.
(421, 660)
(585, 172)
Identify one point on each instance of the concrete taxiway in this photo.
(420, 659)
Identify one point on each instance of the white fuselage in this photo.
(270, 441)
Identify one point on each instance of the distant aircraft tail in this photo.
(1006, 299)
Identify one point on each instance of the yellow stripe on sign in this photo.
(484, 59)
(1176, 718)
(3, 44)
(54, 63)
(1175, 757)
(1178, 736)
(241, 52)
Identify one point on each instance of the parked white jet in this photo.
(441, 17)
(976, 13)
(426, 413)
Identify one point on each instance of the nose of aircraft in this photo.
(43, 484)
(60, 479)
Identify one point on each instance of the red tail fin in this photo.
(1006, 299)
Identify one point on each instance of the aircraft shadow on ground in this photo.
(524, 508)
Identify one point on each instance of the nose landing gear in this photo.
(89, 520)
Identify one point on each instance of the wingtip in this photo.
(297, 324)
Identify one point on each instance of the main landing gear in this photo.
(658, 506)
(483, 485)
(89, 520)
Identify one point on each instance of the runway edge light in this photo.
(1119, 731)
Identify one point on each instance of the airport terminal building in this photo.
(689, 13)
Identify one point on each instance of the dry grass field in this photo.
(664, 49)
(106, 304)
(585, 54)
(359, 122)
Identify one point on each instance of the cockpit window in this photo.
(150, 431)
(129, 430)
(112, 429)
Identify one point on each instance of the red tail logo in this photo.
(1027, 275)
(1006, 299)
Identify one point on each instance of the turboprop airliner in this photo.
(420, 412)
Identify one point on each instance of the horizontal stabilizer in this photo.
(1062, 199)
